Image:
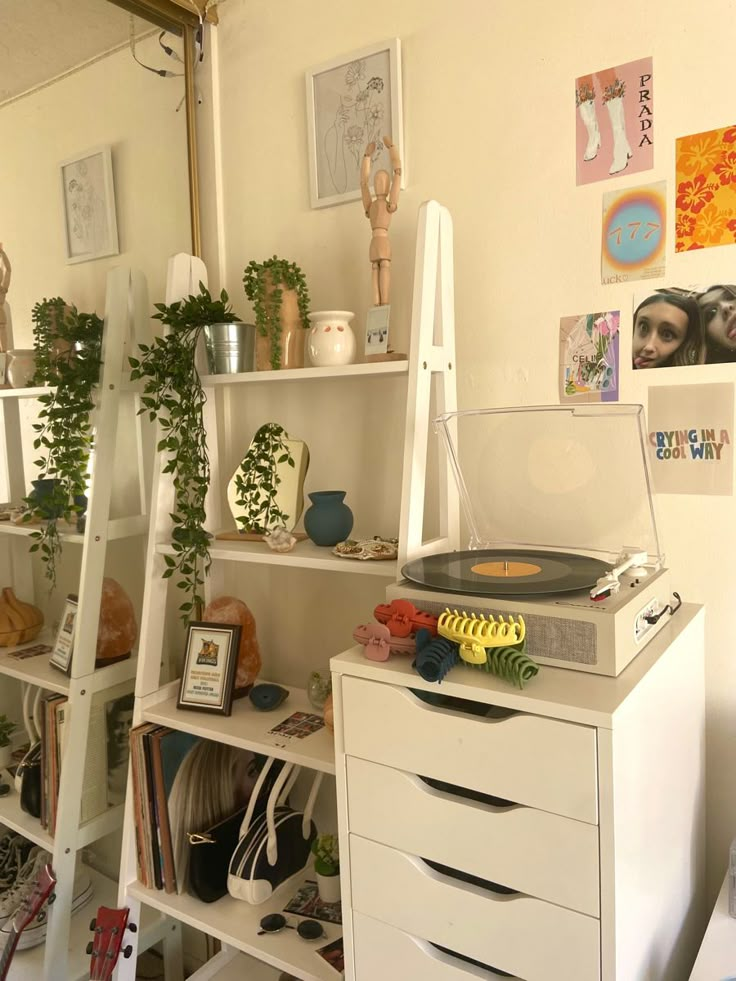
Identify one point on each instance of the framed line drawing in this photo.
(208, 673)
(352, 101)
(61, 655)
(88, 196)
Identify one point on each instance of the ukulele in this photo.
(109, 927)
(26, 913)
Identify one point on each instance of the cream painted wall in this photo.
(489, 132)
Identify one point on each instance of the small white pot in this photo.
(331, 340)
(328, 887)
(6, 756)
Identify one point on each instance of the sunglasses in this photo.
(307, 929)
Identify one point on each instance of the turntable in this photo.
(562, 531)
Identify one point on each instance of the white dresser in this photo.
(581, 797)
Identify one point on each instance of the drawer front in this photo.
(385, 953)
(528, 759)
(535, 940)
(535, 852)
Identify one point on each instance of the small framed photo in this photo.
(352, 101)
(376, 330)
(210, 662)
(88, 196)
(61, 655)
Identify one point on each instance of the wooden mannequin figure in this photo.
(379, 210)
(5, 272)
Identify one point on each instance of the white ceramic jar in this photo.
(331, 340)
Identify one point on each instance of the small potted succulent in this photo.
(7, 728)
(327, 867)
(278, 291)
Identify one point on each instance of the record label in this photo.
(506, 572)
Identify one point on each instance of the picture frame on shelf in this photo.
(208, 672)
(352, 100)
(63, 649)
(88, 201)
(376, 330)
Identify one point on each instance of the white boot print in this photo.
(588, 116)
(621, 148)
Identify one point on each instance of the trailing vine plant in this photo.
(257, 479)
(264, 284)
(68, 350)
(173, 395)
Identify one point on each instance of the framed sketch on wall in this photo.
(352, 101)
(88, 195)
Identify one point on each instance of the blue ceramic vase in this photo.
(329, 520)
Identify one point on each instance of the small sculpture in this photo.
(5, 272)
(378, 210)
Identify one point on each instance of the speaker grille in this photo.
(573, 641)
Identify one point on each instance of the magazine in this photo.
(306, 902)
(334, 954)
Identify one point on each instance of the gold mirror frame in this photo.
(182, 17)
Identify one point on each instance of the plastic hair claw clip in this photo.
(375, 638)
(474, 634)
(403, 618)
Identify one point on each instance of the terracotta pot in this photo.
(292, 337)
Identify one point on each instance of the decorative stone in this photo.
(229, 609)
(117, 630)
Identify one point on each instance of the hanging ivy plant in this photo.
(173, 395)
(264, 284)
(257, 479)
(68, 350)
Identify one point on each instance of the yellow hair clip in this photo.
(474, 634)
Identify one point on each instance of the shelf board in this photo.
(305, 555)
(28, 964)
(23, 393)
(117, 528)
(14, 817)
(38, 671)
(229, 965)
(305, 374)
(67, 532)
(236, 923)
(248, 728)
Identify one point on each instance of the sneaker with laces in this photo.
(11, 899)
(35, 932)
(14, 852)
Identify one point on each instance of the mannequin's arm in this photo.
(393, 194)
(365, 173)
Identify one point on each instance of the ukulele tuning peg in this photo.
(52, 899)
(127, 951)
(93, 923)
(90, 947)
(133, 927)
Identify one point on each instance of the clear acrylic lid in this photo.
(554, 477)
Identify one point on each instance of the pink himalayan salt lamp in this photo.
(228, 609)
(117, 630)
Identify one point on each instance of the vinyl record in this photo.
(506, 572)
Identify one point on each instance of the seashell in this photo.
(267, 696)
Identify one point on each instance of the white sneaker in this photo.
(11, 899)
(35, 932)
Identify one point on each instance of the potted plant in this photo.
(7, 728)
(278, 291)
(68, 348)
(327, 867)
(174, 396)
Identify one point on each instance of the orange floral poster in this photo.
(705, 211)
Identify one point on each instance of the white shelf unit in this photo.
(428, 372)
(126, 317)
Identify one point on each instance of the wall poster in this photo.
(705, 205)
(614, 125)
(589, 361)
(633, 234)
(690, 431)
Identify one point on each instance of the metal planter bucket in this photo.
(230, 348)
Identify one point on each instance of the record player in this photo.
(562, 531)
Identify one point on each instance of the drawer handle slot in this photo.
(495, 971)
(472, 880)
(465, 705)
(475, 795)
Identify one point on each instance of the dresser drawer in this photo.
(548, 856)
(528, 759)
(535, 940)
(385, 953)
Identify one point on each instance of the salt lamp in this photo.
(228, 609)
(117, 630)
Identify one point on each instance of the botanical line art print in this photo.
(351, 103)
(89, 206)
